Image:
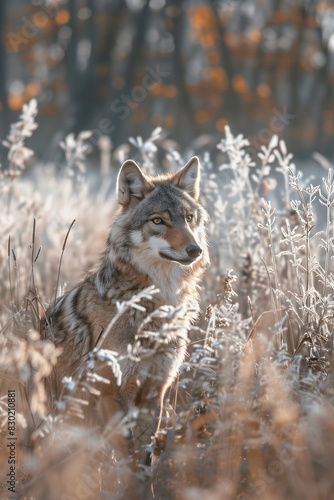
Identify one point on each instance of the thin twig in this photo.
(61, 259)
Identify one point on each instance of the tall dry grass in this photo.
(251, 415)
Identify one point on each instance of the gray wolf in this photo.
(157, 238)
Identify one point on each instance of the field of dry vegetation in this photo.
(252, 413)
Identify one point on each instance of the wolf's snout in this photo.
(193, 250)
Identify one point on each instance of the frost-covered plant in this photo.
(25, 363)
(76, 150)
(301, 311)
(148, 149)
(18, 153)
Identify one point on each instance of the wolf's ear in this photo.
(131, 183)
(188, 177)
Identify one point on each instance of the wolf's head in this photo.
(161, 219)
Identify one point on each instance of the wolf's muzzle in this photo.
(193, 250)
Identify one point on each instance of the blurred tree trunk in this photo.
(71, 65)
(232, 102)
(85, 80)
(4, 112)
(189, 128)
(141, 21)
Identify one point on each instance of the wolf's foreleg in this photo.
(149, 402)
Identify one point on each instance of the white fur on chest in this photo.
(168, 277)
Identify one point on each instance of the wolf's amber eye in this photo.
(157, 221)
(189, 218)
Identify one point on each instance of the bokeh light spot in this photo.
(62, 17)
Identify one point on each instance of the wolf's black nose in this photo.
(193, 250)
